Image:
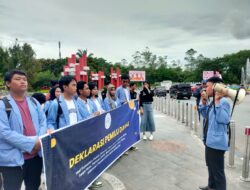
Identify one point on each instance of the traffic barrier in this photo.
(195, 119)
(169, 100)
(232, 144)
(187, 114)
(175, 109)
(179, 111)
(191, 117)
(245, 167)
(161, 104)
(183, 113)
(172, 107)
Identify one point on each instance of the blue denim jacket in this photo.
(121, 94)
(84, 112)
(64, 117)
(12, 141)
(107, 103)
(218, 121)
(92, 103)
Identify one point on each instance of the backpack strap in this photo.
(8, 107)
(59, 112)
(33, 100)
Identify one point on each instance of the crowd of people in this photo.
(24, 119)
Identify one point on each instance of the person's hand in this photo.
(37, 146)
(204, 97)
(217, 97)
(141, 111)
(97, 113)
(50, 131)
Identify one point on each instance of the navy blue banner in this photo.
(75, 156)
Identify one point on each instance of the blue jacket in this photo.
(47, 105)
(92, 103)
(217, 137)
(12, 141)
(121, 94)
(107, 102)
(83, 110)
(64, 117)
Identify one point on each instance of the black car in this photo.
(180, 91)
(160, 91)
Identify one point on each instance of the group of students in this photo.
(23, 120)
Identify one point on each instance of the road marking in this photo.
(113, 181)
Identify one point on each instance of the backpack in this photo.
(8, 107)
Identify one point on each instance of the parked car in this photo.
(160, 91)
(180, 91)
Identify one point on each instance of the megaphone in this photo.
(218, 87)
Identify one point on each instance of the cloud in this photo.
(115, 29)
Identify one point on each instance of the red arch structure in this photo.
(115, 76)
(79, 70)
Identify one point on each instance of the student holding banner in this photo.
(122, 92)
(111, 101)
(22, 121)
(85, 107)
(96, 102)
(64, 110)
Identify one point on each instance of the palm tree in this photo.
(81, 52)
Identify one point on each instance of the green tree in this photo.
(190, 58)
(43, 79)
(4, 60)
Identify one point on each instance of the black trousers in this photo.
(30, 173)
(215, 164)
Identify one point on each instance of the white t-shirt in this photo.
(72, 111)
(126, 93)
(98, 105)
(87, 105)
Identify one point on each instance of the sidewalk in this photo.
(174, 160)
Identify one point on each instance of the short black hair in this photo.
(215, 79)
(131, 84)
(9, 75)
(80, 86)
(40, 97)
(52, 93)
(65, 80)
(125, 77)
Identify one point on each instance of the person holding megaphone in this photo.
(217, 114)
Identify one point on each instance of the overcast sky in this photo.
(115, 29)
